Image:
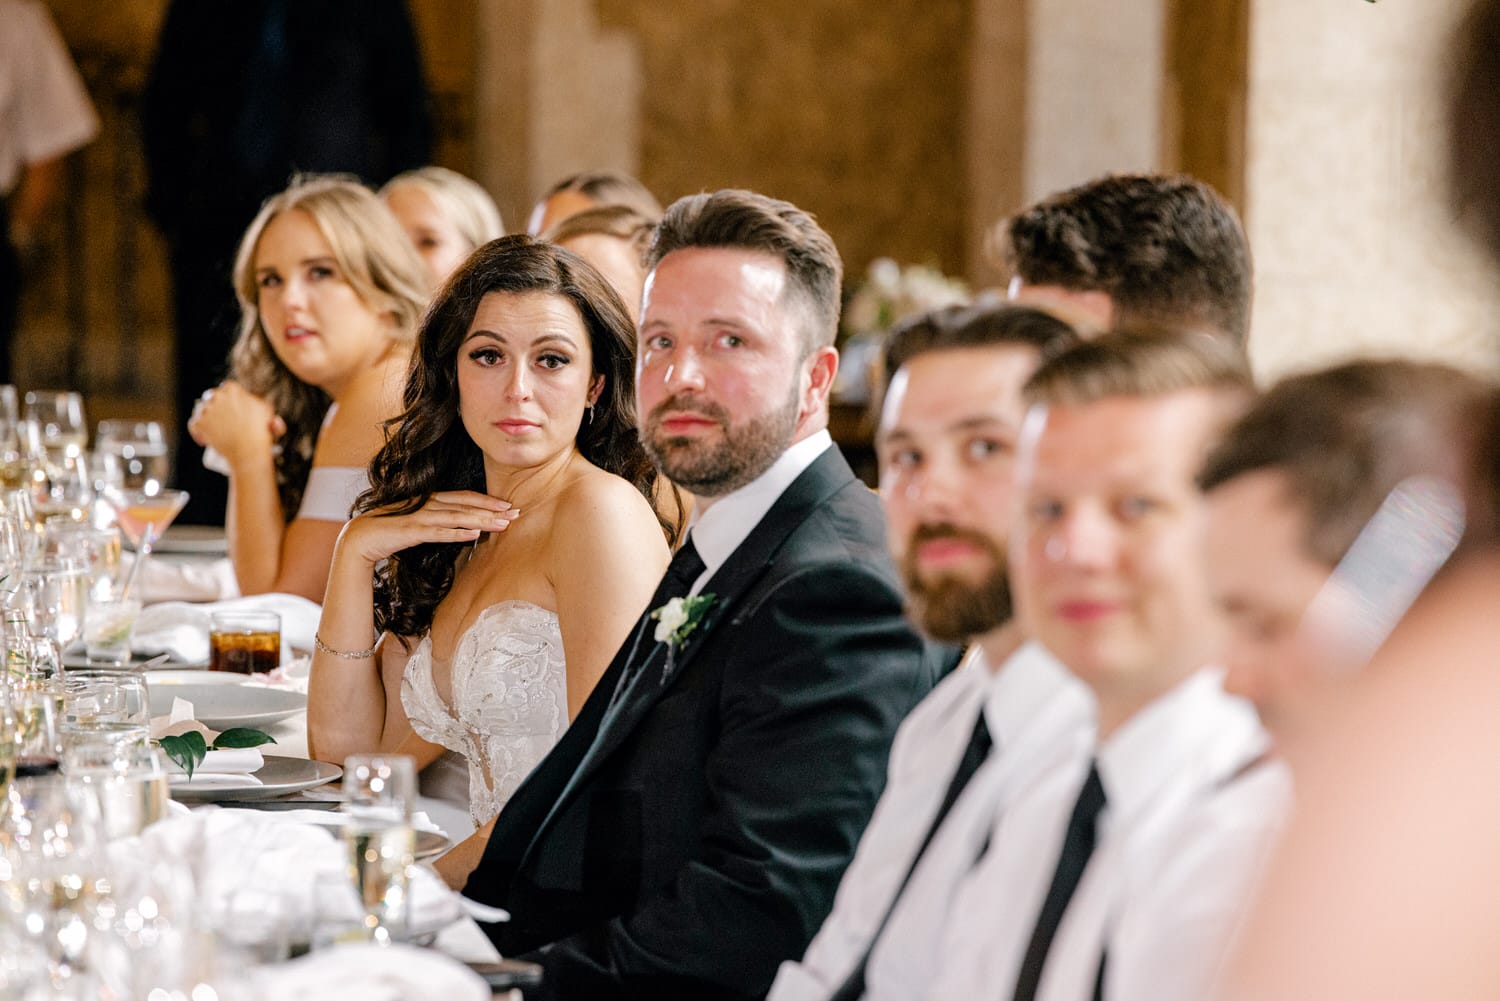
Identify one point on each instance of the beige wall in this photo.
(1355, 251)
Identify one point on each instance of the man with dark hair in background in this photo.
(1132, 251)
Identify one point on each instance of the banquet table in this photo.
(463, 939)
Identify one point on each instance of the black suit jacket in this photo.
(685, 842)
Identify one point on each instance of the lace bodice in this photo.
(510, 699)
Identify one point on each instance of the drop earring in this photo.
(591, 413)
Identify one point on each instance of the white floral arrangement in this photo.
(889, 294)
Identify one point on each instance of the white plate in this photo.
(278, 776)
(200, 540)
(187, 676)
(222, 706)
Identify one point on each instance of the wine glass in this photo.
(132, 455)
(59, 414)
(143, 517)
(378, 793)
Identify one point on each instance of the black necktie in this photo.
(853, 986)
(1078, 845)
(685, 568)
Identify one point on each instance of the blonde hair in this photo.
(377, 261)
(461, 200)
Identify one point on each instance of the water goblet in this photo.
(59, 415)
(132, 455)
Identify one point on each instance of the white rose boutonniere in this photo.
(676, 620)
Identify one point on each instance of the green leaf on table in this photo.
(183, 750)
(242, 736)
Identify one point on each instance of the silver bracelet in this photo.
(345, 654)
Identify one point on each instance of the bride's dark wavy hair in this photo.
(427, 448)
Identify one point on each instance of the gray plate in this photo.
(194, 540)
(278, 776)
(221, 706)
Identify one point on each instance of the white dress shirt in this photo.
(1039, 717)
(718, 531)
(1190, 811)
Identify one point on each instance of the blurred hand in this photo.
(451, 516)
(235, 422)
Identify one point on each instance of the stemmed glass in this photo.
(59, 414)
(378, 793)
(132, 455)
(143, 517)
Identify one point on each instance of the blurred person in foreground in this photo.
(947, 448)
(1289, 488)
(1130, 251)
(1385, 884)
(688, 832)
(1122, 874)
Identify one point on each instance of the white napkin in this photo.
(230, 767)
(229, 850)
(372, 973)
(165, 579)
(181, 628)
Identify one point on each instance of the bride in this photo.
(507, 544)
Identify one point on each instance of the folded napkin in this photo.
(181, 628)
(372, 973)
(164, 579)
(231, 850)
(230, 767)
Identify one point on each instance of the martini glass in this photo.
(143, 516)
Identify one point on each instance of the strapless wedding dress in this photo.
(510, 699)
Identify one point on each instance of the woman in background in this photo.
(330, 294)
(445, 215)
(591, 189)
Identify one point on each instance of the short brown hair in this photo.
(744, 220)
(1344, 437)
(976, 326)
(1140, 363)
(1168, 250)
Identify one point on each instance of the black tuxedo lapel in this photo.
(826, 476)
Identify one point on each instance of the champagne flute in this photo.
(378, 792)
(143, 517)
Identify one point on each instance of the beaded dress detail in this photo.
(510, 701)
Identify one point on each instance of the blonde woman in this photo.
(445, 215)
(330, 294)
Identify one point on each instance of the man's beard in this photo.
(948, 607)
(711, 469)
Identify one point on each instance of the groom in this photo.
(687, 833)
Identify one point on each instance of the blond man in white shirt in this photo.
(947, 445)
(1122, 875)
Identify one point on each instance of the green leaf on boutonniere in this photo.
(242, 736)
